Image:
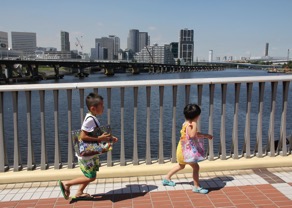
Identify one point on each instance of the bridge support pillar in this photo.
(135, 70)
(81, 73)
(109, 71)
(8, 72)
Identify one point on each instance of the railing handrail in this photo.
(171, 82)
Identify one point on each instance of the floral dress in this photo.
(189, 150)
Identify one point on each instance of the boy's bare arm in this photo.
(86, 137)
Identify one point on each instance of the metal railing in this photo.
(210, 83)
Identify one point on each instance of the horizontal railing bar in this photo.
(151, 83)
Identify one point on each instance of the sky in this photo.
(238, 28)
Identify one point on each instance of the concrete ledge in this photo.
(145, 170)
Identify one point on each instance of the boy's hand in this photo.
(105, 137)
(114, 139)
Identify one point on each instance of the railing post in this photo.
(57, 161)
(200, 92)
(222, 129)
(210, 130)
(122, 153)
(259, 144)
(161, 155)
(44, 160)
(235, 122)
(109, 153)
(81, 100)
(70, 147)
(271, 144)
(246, 148)
(187, 94)
(30, 152)
(283, 119)
(135, 145)
(173, 134)
(17, 157)
(148, 145)
(3, 153)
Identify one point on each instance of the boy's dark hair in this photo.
(93, 99)
(192, 111)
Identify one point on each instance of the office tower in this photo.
(155, 54)
(267, 49)
(133, 40)
(174, 49)
(3, 40)
(186, 45)
(23, 41)
(108, 47)
(116, 45)
(210, 55)
(143, 40)
(65, 43)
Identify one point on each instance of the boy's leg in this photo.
(89, 169)
(82, 186)
(174, 170)
(82, 180)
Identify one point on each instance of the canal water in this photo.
(141, 124)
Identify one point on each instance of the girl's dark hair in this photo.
(93, 99)
(192, 111)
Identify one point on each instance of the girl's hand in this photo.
(208, 136)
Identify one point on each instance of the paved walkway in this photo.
(263, 187)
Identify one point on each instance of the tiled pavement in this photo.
(266, 188)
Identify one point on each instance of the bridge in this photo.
(80, 67)
(227, 170)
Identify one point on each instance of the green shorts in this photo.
(89, 167)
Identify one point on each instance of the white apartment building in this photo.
(155, 54)
(23, 41)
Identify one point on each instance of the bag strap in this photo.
(93, 120)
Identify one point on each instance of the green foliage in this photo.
(289, 65)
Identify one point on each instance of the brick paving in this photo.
(246, 188)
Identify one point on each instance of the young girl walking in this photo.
(190, 149)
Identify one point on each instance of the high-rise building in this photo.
(155, 54)
(267, 49)
(23, 41)
(108, 45)
(186, 45)
(210, 56)
(143, 40)
(116, 45)
(3, 40)
(133, 40)
(174, 49)
(65, 43)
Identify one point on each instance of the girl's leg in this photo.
(175, 169)
(197, 188)
(196, 169)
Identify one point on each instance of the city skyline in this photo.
(229, 28)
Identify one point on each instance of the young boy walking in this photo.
(89, 165)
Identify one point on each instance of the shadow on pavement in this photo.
(120, 194)
(212, 184)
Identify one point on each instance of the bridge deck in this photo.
(259, 187)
